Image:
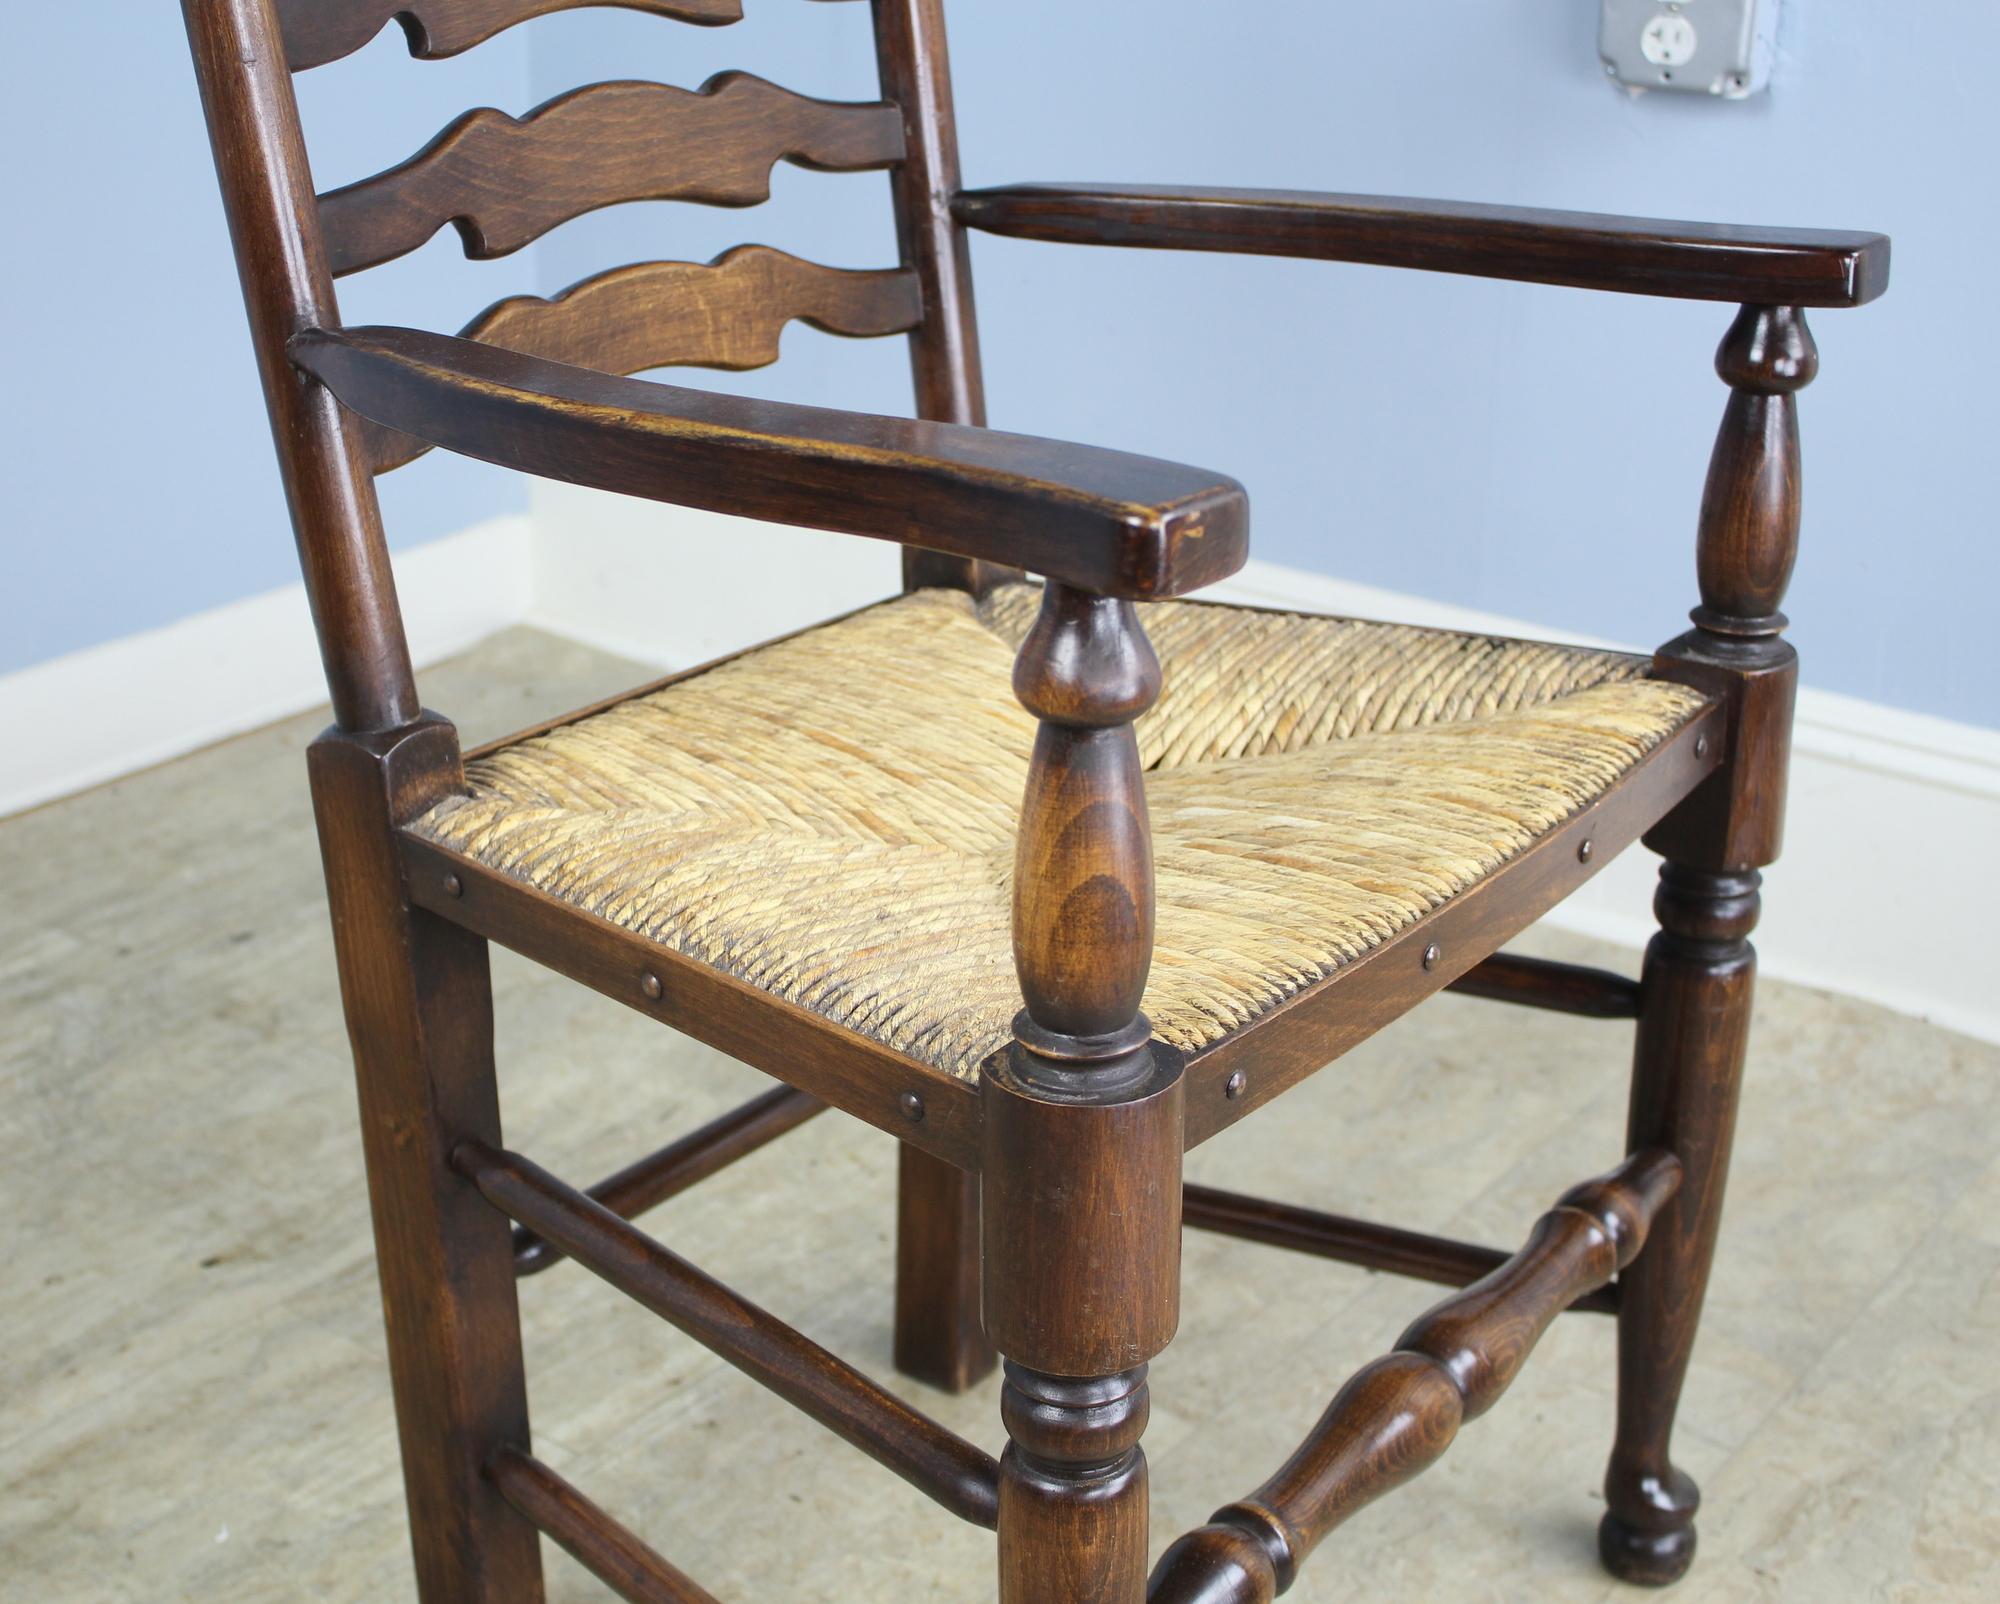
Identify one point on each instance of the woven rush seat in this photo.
(832, 817)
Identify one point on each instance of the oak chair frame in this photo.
(1041, 1208)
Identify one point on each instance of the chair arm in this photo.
(1695, 261)
(1102, 521)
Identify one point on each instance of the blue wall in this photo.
(1531, 451)
(139, 482)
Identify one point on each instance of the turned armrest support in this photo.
(1398, 1414)
(1107, 522)
(1640, 256)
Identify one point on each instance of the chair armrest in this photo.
(1101, 521)
(1696, 261)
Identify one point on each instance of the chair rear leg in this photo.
(939, 1337)
(420, 1016)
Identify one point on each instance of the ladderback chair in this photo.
(1249, 839)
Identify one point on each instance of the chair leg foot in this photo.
(1650, 1558)
(1687, 1070)
(940, 1338)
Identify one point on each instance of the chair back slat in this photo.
(319, 31)
(728, 313)
(506, 181)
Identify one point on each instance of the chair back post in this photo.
(915, 69)
(267, 194)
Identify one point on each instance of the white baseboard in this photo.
(1892, 831)
(672, 586)
(81, 719)
(1894, 820)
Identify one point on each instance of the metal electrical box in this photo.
(1703, 47)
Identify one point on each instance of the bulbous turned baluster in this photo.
(1082, 1126)
(1083, 864)
(1749, 534)
(1700, 969)
(1747, 542)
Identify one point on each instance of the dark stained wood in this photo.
(1081, 1209)
(420, 1018)
(1348, 1241)
(260, 161)
(1082, 1125)
(1083, 865)
(799, 1047)
(1313, 1028)
(1744, 551)
(1073, 1487)
(506, 181)
(1545, 983)
(320, 31)
(1730, 821)
(1700, 969)
(915, 69)
(1687, 1071)
(942, 1466)
(603, 1547)
(728, 313)
(1103, 520)
(1399, 1414)
(650, 1181)
(939, 1337)
(1640, 256)
(1749, 536)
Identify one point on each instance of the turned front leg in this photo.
(1695, 1017)
(1081, 1180)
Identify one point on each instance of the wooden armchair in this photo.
(1249, 839)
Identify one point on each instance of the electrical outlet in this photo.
(1703, 47)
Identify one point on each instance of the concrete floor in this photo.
(195, 1402)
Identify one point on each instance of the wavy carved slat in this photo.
(728, 313)
(506, 181)
(1399, 1413)
(319, 31)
